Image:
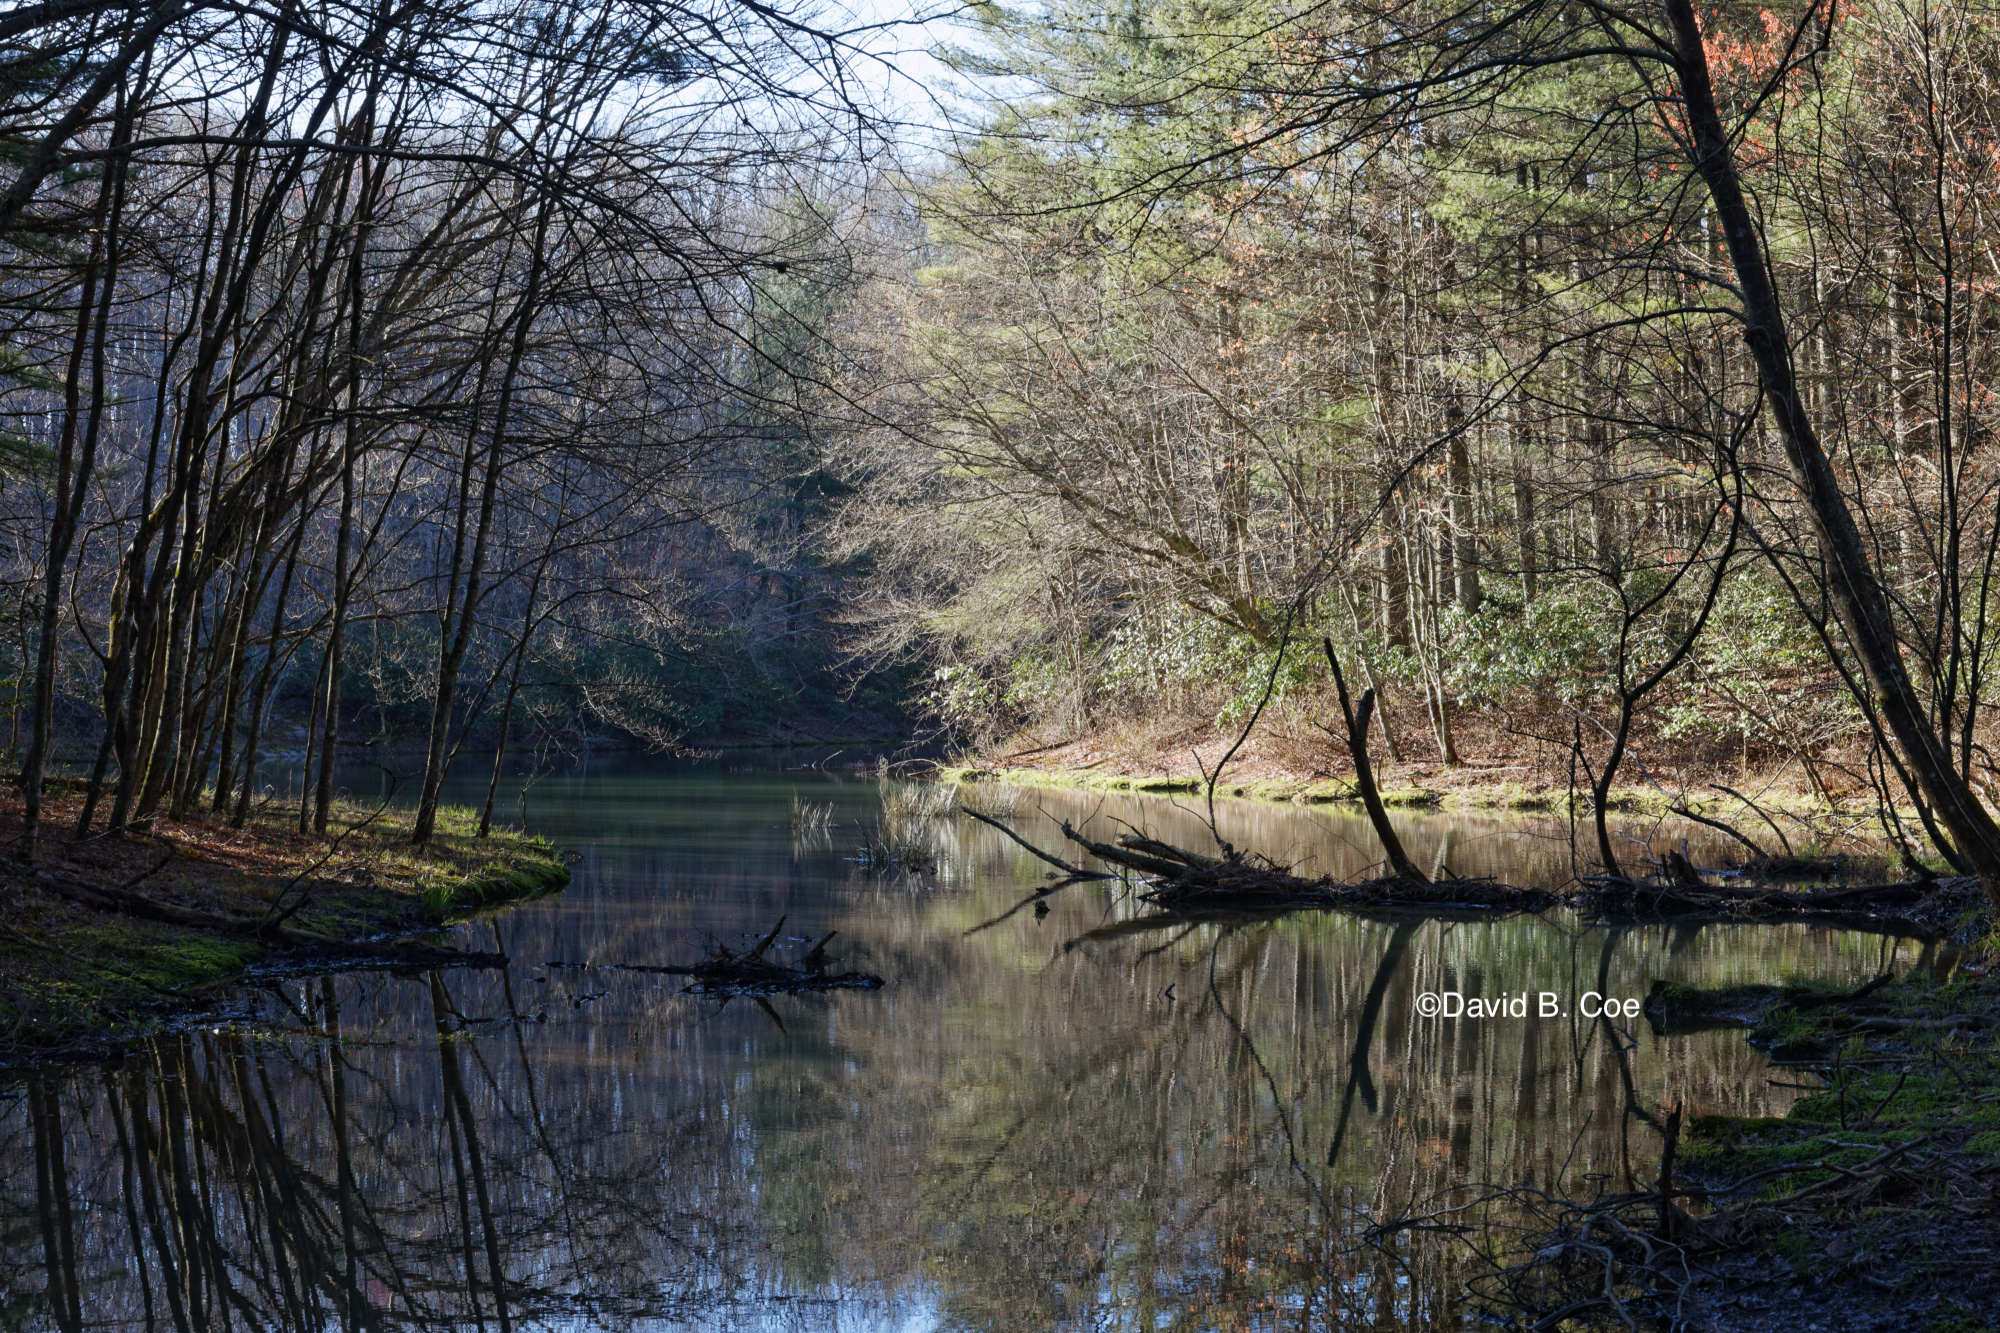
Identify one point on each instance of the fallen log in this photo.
(1150, 847)
(1239, 885)
(1934, 902)
(1119, 856)
(1955, 1021)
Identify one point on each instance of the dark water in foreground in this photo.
(1080, 1121)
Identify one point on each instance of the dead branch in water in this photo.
(747, 972)
(1072, 871)
(1191, 882)
(1242, 884)
(1143, 862)
(1150, 847)
(1928, 904)
(1364, 772)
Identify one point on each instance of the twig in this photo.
(273, 917)
(1783, 841)
(1270, 684)
(1883, 1105)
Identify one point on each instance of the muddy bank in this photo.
(1874, 1204)
(1878, 1197)
(109, 938)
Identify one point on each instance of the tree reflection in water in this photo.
(1094, 1121)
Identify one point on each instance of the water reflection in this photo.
(1092, 1119)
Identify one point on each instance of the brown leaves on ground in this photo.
(227, 869)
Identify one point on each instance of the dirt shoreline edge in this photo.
(1872, 1205)
(108, 939)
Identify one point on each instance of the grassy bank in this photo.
(110, 936)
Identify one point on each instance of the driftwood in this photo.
(747, 972)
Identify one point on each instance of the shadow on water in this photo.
(1086, 1118)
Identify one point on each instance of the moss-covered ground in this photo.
(74, 978)
(1876, 1201)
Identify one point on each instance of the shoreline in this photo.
(1849, 1211)
(1465, 792)
(1860, 1208)
(108, 939)
(1503, 762)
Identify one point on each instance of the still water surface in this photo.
(1087, 1119)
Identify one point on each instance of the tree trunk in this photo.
(1464, 517)
(237, 669)
(1364, 774)
(261, 694)
(1856, 593)
(507, 708)
(71, 492)
(336, 638)
(438, 759)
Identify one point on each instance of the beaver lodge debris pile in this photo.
(747, 972)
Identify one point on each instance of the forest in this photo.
(407, 374)
(1607, 384)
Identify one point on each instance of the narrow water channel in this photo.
(1079, 1120)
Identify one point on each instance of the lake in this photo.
(1088, 1118)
